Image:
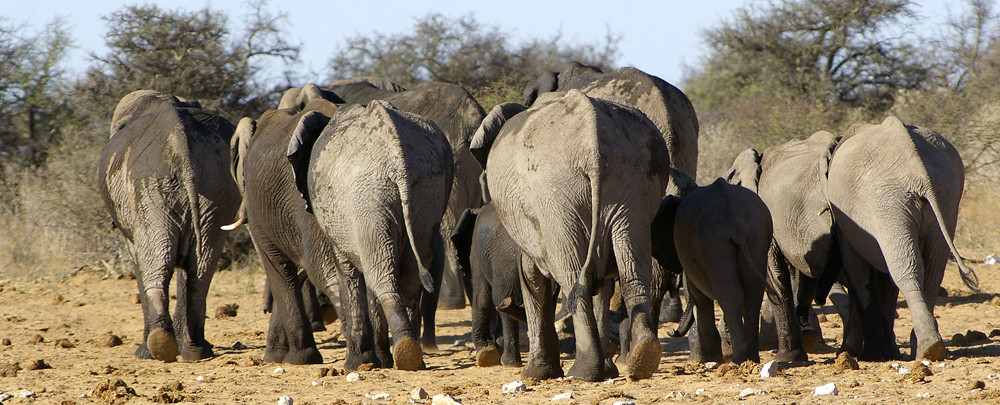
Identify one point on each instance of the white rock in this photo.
(992, 259)
(624, 403)
(513, 387)
(925, 363)
(376, 397)
(418, 393)
(459, 343)
(4, 396)
(677, 394)
(734, 386)
(565, 395)
(200, 378)
(319, 383)
(285, 400)
(700, 391)
(894, 365)
(710, 365)
(769, 370)
(25, 394)
(924, 395)
(444, 399)
(608, 382)
(992, 377)
(904, 370)
(750, 391)
(827, 389)
(943, 365)
(566, 378)
(354, 376)
(278, 370)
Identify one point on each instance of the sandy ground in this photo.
(63, 324)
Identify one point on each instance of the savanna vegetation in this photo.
(772, 71)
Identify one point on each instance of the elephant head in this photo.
(548, 81)
(298, 97)
(482, 141)
(745, 170)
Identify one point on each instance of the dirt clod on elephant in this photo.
(917, 373)
(226, 311)
(113, 392)
(845, 362)
(108, 340)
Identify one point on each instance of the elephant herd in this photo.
(583, 197)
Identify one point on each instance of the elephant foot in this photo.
(407, 355)
(788, 356)
(541, 371)
(329, 314)
(511, 358)
(429, 343)
(934, 352)
(811, 339)
(643, 360)
(195, 353)
(318, 326)
(353, 361)
(592, 371)
(275, 354)
(487, 356)
(142, 352)
(309, 355)
(162, 345)
(670, 310)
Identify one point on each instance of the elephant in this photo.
(164, 177)
(894, 190)
(286, 236)
(667, 106)
(298, 97)
(489, 258)
(791, 178)
(577, 181)
(722, 235)
(458, 115)
(378, 180)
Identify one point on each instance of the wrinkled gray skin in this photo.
(576, 182)
(285, 235)
(894, 191)
(297, 97)
(164, 176)
(489, 258)
(664, 104)
(458, 114)
(378, 180)
(722, 235)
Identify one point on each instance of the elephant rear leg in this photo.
(289, 338)
(483, 315)
(752, 301)
(429, 300)
(540, 308)
(633, 256)
(704, 340)
(156, 256)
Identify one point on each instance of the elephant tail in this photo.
(179, 139)
(687, 319)
(586, 277)
(969, 276)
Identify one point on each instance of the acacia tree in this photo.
(460, 50)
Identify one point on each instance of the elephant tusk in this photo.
(233, 225)
(822, 210)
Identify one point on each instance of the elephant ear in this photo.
(300, 149)
(662, 234)
(680, 184)
(461, 237)
(745, 170)
(483, 139)
(548, 81)
(239, 144)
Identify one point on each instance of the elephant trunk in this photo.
(687, 319)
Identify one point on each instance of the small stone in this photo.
(949, 305)
(700, 391)
(845, 362)
(377, 397)
(134, 298)
(25, 394)
(444, 399)
(769, 370)
(239, 346)
(226, 311)
(459, 343)
(826, 389)
(58, 299)
(253, 361)
(6, 342)
(995, 301)
(352, 377)
(974, 385)
(64, 344)
(174, 386)
(108, 340)
(514, 387)
(624, 403)
(418, 394)
(924, 395)
(9, 369)
(904, 370)
(992, 377)
(37, 365)
(5, 396)
(565, 395)
(285, 400)
(677, 395)
(710, 365)
(821, 318)
(278, 370)
(959, 340)
(749, 392)
(36, 339)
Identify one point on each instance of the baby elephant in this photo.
(722, 234)
(488, 260)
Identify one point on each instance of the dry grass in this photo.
(978, 231)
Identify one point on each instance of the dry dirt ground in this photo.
(56, 332)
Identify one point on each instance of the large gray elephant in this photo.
(667, 106)
(297, 97)
(164, 176)
(722, 234)
(285, 235)
(489, 260)
(576, 182)
(378, 180)
(894, 190)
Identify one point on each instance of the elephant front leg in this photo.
(539, 308)
(295, 345)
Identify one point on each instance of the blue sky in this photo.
(659, 37)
